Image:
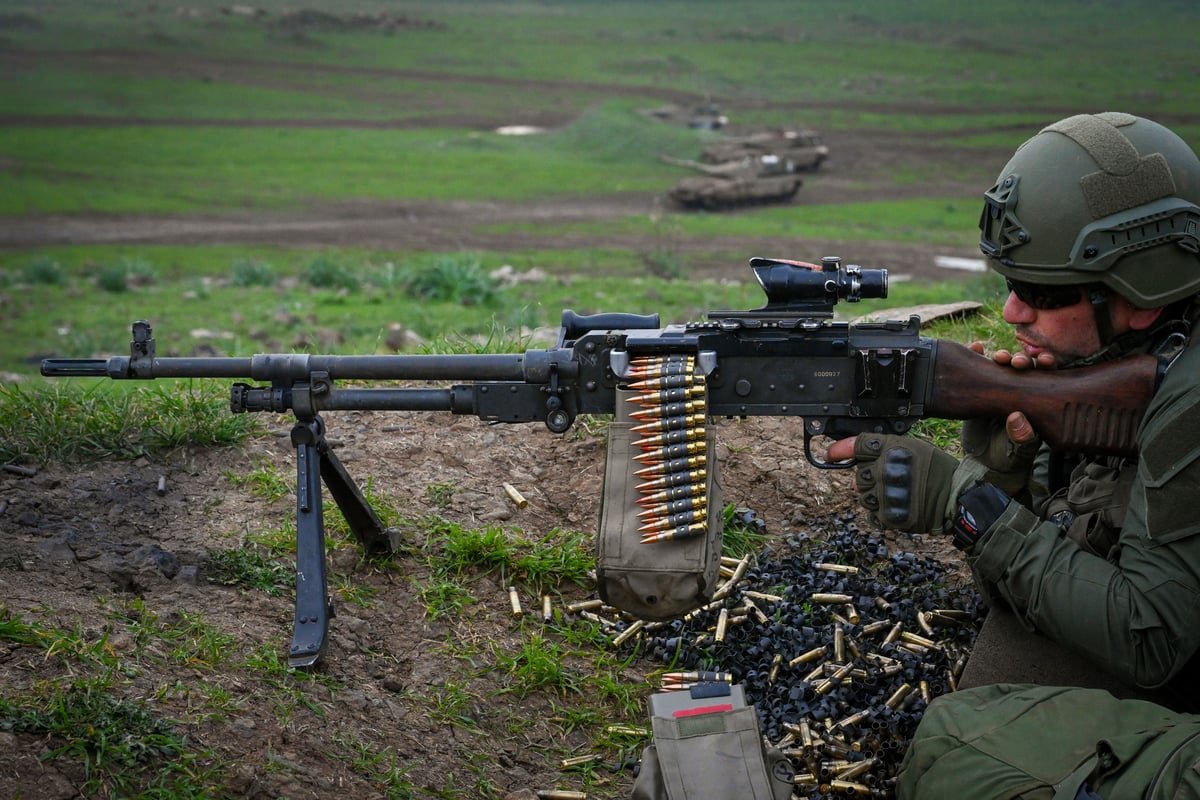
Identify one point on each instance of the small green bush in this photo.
(44, 270)
(325, 273)
(252, 272)
(452, 279)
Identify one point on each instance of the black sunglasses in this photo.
(1044, 297)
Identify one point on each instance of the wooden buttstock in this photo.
(1093, 410)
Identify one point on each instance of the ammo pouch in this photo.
(660, 580)
(713, 751)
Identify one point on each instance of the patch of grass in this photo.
(265, 481)
(78, 422)
(537, 664)
(126, 749)
(250, 567)
(740, 535)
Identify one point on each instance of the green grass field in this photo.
(123, 108)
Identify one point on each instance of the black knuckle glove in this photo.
(904, 483)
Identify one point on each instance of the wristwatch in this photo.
(978, 509)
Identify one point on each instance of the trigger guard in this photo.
(811, 430)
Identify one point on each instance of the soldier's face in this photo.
(1067, 333)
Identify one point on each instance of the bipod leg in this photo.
(314, 607)
(362, 519)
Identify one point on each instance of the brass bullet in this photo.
(677, 422)
(676, 381)
(682, 532)
(675, 506)
(672, 452)
(665, 438)
(682, 464)
(515, 601)
(696, 406)
(674, 493)
(675, 520)
(670, 478)
(663, 396)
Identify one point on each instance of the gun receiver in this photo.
(786, 358)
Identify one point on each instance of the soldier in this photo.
(1091, 564)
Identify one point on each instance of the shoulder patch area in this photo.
(1169, 468)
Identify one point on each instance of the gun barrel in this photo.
(75, 367)
(533, 365)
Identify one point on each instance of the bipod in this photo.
(315, 462)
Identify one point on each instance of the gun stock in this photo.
(1092, 410)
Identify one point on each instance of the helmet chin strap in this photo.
(1111, 345)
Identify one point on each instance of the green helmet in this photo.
(1107, 198)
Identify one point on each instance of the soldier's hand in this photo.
(905, 484)
(1017, 360)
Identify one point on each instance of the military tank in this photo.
(749, 181)
(803, 148)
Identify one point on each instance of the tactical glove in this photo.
(907, 484)
(1008, 463)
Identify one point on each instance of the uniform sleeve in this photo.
(1137, 616)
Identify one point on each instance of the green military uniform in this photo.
(1116, 578)
(1106, 570)
(1011, 741)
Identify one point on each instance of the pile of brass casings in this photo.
(839, 648)
(673, 426)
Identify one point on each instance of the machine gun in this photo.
(787, 358)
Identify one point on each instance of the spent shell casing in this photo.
(696, 406)
(835, 599)
(836, 568)
(660, 397)
(776, 663)
(585, 605)
(664, 438)
(857, 768)
(515, 601)
(684, 464)
(811, 655)
(560, 794)
(674, 493)
(675, 506)
(898, 696)
(578, 761)
(675, 520)
(920, 641)
(682, 532)
(850, 786)
(518, 499)
(675, 381)
(672, 452)
(675, 423)
(722, 625)
(628, 633)
(670, 478)
(547, 609)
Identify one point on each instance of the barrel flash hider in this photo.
(707, 746)
(657, 557)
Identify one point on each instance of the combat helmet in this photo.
(1099, 199)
